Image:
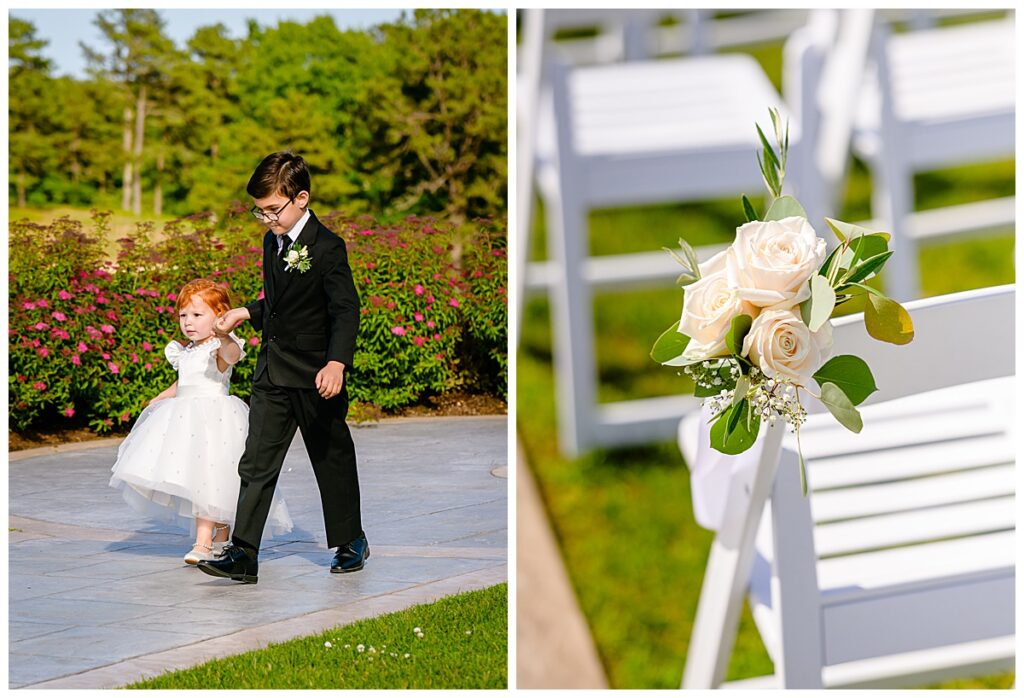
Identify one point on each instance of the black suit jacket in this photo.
(307, 319)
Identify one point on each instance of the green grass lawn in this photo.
(464, 645)
(623, 517)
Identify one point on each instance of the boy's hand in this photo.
(330, 379)
(231, 319)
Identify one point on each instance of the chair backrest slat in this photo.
(958, 338)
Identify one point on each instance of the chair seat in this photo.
(914, 524)
(947, 77)
(664, 130)
(679, 104)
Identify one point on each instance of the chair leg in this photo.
(571, 323)
(727, 576)
(892, 201)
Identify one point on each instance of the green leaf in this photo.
(738, 329)
(849, 230)
(784, 207)
(769, 152)
(685, 279)
(868, 268)
(867, 246)
(841, 408)
(748, 209)
(846, 288)
(850, 374)
(670, 345)
(771, 179)
(691, 257)
(736, 429)
(803, 466)
(741, 389)
(805, 311)
(888, 321)
(823, 302)
(825, 269)
(675, 255)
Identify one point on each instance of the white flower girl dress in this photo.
(180, 460)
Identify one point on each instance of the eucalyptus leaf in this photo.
(868, 246)
(738, 329)
(730, 434)
(849, 230)
(748, 209)
(823, 302)
(670, 345)
(888, 321)
(805, 311)
(850, 374)
(784, 207)
(841, 408)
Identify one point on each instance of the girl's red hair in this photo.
(213, 294)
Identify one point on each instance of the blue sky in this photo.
(64, 29)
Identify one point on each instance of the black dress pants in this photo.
(274, 414)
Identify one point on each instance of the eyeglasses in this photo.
(270, 216)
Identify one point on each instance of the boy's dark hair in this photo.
(281, 173)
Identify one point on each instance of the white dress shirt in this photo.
(294, 232)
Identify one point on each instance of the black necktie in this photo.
(284, 247)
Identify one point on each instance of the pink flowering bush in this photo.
(88, 325)
(485, 309)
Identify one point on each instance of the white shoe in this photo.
(218, 546)
(199, 552)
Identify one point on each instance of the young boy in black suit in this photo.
(309, 317)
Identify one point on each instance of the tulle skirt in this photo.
(180, 461)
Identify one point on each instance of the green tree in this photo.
(30, 92)
(139, 59)
(431, 133)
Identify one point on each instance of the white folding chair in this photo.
(659, 131)
(898, 568)
(935, 98)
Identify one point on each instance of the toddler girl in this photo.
(180, 461)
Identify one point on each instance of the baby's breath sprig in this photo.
(709, 376)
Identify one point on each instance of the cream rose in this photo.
(709, 306)
(775, 259)
(780, 344)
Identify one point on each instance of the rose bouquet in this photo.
(755, 330)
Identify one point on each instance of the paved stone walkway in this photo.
(99, 597)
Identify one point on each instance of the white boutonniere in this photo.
(297, 257)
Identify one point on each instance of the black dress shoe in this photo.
(352, 556)
(236, 563)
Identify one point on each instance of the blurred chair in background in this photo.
(934, 98)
